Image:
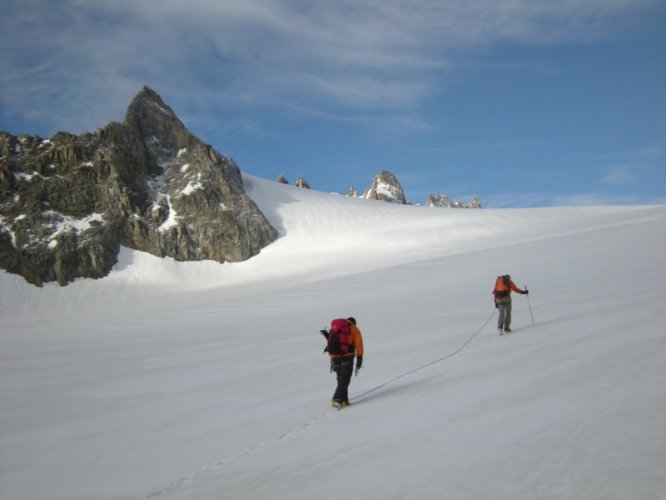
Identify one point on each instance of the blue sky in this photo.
(521, 102)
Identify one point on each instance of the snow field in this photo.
(204, 381)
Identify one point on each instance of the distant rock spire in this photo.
(441, 200)
(302, 183)
(386, 187)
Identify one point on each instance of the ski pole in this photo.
(530, 305)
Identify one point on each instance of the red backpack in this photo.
(339, 338)
(502, 286)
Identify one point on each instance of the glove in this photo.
(496, 305)
(359, 363)
(526, 292)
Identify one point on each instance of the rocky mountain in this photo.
(441, 200)
(386, 187)
(68, 203)
(300, 182)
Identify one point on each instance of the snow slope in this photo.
(175, 380)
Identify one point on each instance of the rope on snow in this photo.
(471, 337)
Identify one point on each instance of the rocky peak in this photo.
(475, 202)
(67, 203)
(386, 187)
(441, 200)
(149, 118)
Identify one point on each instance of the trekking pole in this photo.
(530, 305)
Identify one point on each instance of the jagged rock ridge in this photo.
(300, 182)
(67, 203)
(387, 187)
(441, 200)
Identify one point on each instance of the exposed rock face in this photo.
(386, 187)
(69, 202)
(475, 202)
(441, 200)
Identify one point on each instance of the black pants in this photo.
(343, 367)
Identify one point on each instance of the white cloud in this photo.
(648, 154)
(619, 175)
(77, 65)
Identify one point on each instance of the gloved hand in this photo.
(359, 363)
(496, 305)
(526, 292)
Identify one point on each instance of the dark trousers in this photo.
(343, 368)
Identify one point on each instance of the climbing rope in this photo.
(469, 339)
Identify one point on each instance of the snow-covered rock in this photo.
(67, 204)
(386, 187)
(441, 200)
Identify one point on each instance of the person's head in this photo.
(352, 320)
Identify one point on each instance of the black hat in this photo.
(351, 319)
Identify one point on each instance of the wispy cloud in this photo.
(618, 175)
(73, 64)
(597, 199)
(648, 154)
(531, 200)
(636, 165)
